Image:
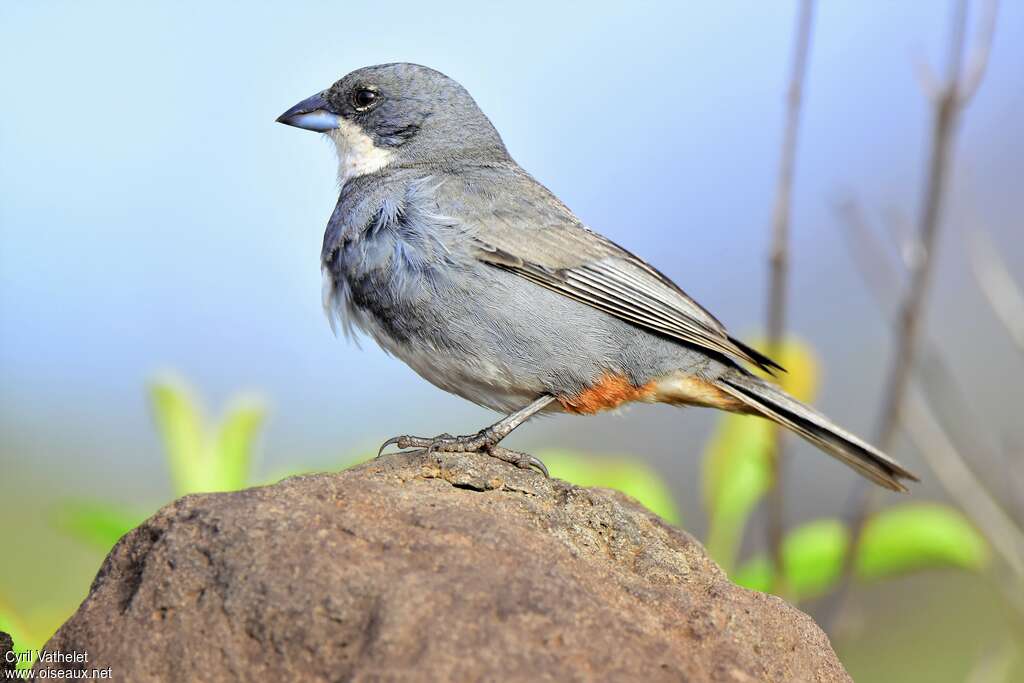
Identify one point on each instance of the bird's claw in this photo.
(442, 442)
(390, 442)
(523, 461)
(481, 442)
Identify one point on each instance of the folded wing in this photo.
(538, 238)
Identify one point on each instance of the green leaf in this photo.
(756, 574)
(233, 453)
(200, 463)
(737, 474)
(812, 557)
(897, 540)
(917, 536)
(99, 525)
(738, 464)
(13, 626)
(632, 477)
(180, 425)
(10, 625)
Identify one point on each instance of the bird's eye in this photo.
(364, 98)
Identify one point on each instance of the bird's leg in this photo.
(485, 441)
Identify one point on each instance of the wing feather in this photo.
(527, 231)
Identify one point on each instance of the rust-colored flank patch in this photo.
(684, 389)
(679, 388)
(611, 391)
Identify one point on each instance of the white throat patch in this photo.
(357, 155)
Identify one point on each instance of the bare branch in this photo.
(977, 63)
(1012, 465)
(908, 322)
(879, 273)
(926, 78)
(779, 255)
(955, 48)
(901, 231)
(1003, 294)
(911, 312)
(962, 424)
(945, 398)
(996, 665)
(1005, 537)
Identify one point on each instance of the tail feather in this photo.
(768, 400)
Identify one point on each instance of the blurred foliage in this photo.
(204, 460)
(9, 623)
(737, 473)
(915, 536)
(99, 525)
(22, 637)
(897, 540)
(200, 460)
(738, 464)
(630, 476)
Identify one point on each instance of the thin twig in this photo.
(934, 375)
(926, 79)
(901, 232)
(935, 446)
(779, 257)
(1013, 458)
(939, 442)
(977, 64)
(996, 665)
(967, 432)
(879, 272)
(942, 440)
(947, 104)
(997, 284)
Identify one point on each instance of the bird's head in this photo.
(396, 115)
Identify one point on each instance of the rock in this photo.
(415, 567)
(7, 661)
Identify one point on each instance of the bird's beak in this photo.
(311, 114)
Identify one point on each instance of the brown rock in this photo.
(415, 567)
(7, 662)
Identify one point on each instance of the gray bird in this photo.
(455, 260)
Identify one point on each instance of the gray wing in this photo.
(526, 230)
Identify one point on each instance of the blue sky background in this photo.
(153, 216)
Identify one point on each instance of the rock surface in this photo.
(6, 646)
(416, 567)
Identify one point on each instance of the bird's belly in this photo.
(485, 383)
(470, 375)
(432, 335)
(498, 340)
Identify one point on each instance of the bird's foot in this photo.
(444, 443)
(485, 442)
(523, 461)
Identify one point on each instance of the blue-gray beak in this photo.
(311, 114)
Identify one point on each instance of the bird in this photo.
(454, 259)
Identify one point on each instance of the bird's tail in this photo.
(769, 401)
